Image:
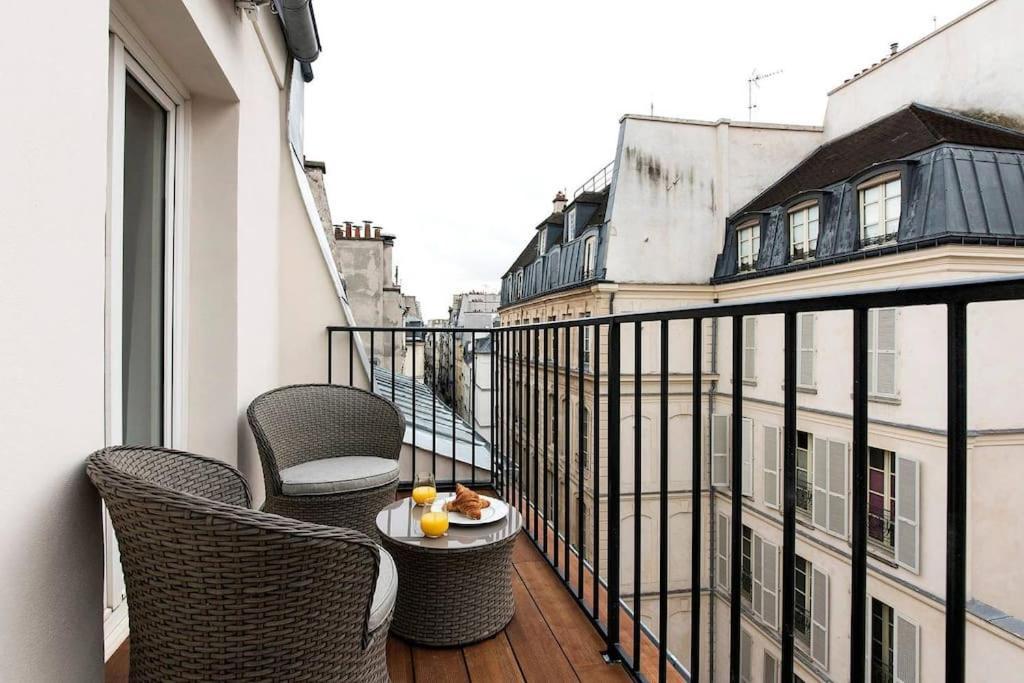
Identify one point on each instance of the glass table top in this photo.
(400, 522)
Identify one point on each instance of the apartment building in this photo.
(913, 177)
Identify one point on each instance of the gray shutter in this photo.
(771, 669)
(757, 580)
(905, 651)
(819, 475)
(748, 457)
(722, 551)
(805, 344)
(746, 645)
(770, 581)
(885, 352)
(720, 450)
(908, 514)
(837, 488)
(819, 616)
(771, 466)
(750, 348)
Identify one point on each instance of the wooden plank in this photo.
(492, 660)
(539, 656)
(524, 550)
(117, 667)
(433, 664)
(400, 661)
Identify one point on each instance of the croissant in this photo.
(467, 502)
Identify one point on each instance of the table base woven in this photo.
(452, 597)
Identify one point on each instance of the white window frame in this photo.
(807, 244)
(541, 241)
(720, 452)
(749, 235)
(129, 55)
(589, 257)
(723, 567)
(570, 224)
(883, 184)
(587, 356)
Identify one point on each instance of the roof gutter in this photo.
(300, 33)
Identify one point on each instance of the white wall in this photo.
(974, 63)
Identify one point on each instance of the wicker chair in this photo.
(220, 592)
(329, 453)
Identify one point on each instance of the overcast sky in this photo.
(453, 124)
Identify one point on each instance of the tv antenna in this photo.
(754, 82)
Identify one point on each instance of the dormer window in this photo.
(541, 241)
(880, 200)
(748, 240)
(803, 231)
(519, 285)
(589, 257)
(570, 225)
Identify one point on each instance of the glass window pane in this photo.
(871, 194)
(892, 207)
(892, 188)
(870, 214)
(812, 213)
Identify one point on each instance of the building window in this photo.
(804, 497)
(750, 349)
(802, 603)
(570, 225)
(803, 232)
(747, 564)
(519, 285)
(882, 352)
(586, 344)
(552, 423)
(882, 497)
(541, 241)
(748, 238)
(590, 257)
(880, 211)
(805, 375)
(895, 643)
(585, 443)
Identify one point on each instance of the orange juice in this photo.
(434, 524)
(424, 495)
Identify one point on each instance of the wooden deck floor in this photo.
(549, 639)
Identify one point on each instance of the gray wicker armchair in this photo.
(329, 453)
(218, 592)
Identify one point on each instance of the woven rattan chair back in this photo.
(217, 591)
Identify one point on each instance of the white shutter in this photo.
(908, 501)
(805, 346)
(837, 474)
(748, 457)
(770, 583)
(771, 466)
(819, 501)
(722, 552)
(819, 616)
(720, 450)
(771, 669)
(746, 645)
(882, 351)
(906, 646)
(750, 348)
(757, 580)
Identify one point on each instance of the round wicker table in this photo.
(453, 590)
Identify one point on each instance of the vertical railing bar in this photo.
(433, 404)
(513, 415)
(472, 409)
(521, 406)
(790, 352)
(568, 455)
(373, 364)
(547, 418)
(506, 345)
(736, 493)
(492, 394)
(330, 356)
(555, 410)
(454, 398)
(581, 532)
(956, 490)
(663, 512)
(393, 365)
(351, 365)
(638, 331)
(697, 530)
(859, 525)
(595, 465)
(413, 384)
(614, 486)
(536, 430)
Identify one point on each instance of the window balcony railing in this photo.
(882, 528)
(531, 372)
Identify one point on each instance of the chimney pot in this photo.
(558, 203)
(338, 234)
(348, 229)
(893, 48)
(366, 229)
(377, 232)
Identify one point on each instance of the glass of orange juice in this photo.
(434, 523)
(424, 489)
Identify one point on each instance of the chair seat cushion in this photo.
(385, 592)
(338, 475)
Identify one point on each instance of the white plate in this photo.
(496, 510)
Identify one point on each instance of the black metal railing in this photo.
(530, 386)
(882, 527)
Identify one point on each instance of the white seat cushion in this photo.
(338, 475)
(385, 592)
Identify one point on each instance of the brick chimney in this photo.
(367, 226)
(348, 229)
(558, 204)
(377, 231)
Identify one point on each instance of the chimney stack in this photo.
(367, 225)
(348, 229)
(377, 230)
(893, 48)
(558, 204)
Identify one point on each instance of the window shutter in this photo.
(748, 457)
(819, 502)
(757, 580)
(771, 466)
(908, 497)
(882, 337)
(837, 488)
(905, 651)
(749, 348)
(722, 551)
(720, 450)
(805, 344)
(746, 645)
(771, 669)
(819, 617)
(770, 582)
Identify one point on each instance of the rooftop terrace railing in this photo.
(537, 367)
